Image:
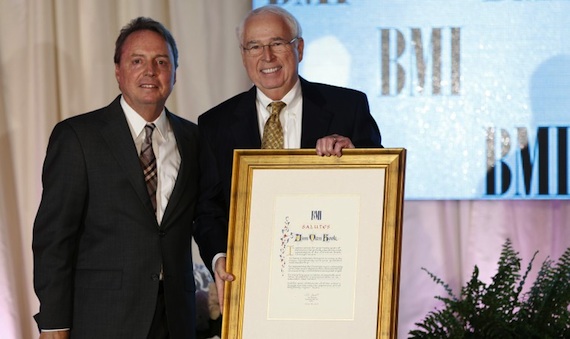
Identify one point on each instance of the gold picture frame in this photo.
(314, 243)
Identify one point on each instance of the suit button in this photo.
(154, 277)
(161, 233)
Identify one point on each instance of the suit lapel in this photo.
(244, 126)
(315, 125)
(183, 144)
(316, 119)
(117, 135)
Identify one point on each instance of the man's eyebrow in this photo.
(271, 40)
(156, 56)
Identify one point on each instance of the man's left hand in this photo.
(333, 145)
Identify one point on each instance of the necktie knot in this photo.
(276, 107)
(273, 131)
(148, 129)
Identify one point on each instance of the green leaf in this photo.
(499, 310)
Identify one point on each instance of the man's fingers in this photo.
(333, 145)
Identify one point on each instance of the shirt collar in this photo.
(137, 123)
(289, 98)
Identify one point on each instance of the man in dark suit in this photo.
(319, 116)
(112, 246)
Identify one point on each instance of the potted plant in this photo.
(500, 309)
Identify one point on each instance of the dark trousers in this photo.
(159, 326)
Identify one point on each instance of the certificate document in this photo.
(313, 257)
(309, 243)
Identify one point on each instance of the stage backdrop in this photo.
(478, 91)
(56, 61)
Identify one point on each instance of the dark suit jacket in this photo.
(233, 125)
(98, 248)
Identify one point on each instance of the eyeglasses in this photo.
(277, 46)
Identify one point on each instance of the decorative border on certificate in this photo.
(314, 243)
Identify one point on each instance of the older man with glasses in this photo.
(281, 110)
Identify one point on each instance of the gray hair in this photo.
(290, 20)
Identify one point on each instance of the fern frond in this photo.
(440, 282)
(499, 310)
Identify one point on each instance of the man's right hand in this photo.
(220, 277)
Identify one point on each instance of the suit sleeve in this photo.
(366, 132)
(56, 227)
(210, 228)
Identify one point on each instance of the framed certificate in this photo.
(314, 243)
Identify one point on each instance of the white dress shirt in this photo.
(290, 117)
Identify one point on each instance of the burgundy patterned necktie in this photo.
(272, 131)
(148, 164)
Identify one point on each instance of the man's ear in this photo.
(300, 48)
(117, 68)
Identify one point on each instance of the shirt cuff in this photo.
(216, 257)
